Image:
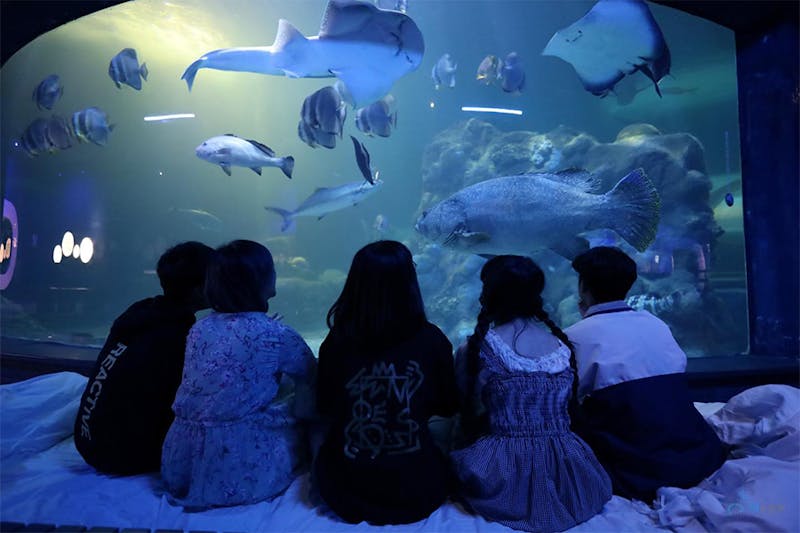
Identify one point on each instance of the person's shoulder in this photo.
(435, 335)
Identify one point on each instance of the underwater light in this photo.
(57, 254)
(67, 243)
(87, 250)
(164, 118)
(492, 110)
(76, 251)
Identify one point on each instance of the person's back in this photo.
(523, 467)
(634, 406)
(378, 388)
(231, 442)
(126, 408)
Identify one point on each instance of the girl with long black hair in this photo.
(524, 467)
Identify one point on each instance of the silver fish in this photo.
(47, 93)
(230, 150)
(377, 118)
(326, 200)
(91, 124)
(444, 72)
(124, 68)
(525, 213)
(322, 118)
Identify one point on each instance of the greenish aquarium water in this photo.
(92, 197)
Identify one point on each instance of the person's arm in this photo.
(298, 362)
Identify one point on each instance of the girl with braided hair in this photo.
(526, 469)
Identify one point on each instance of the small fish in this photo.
(34, 139)
(198, 218)
(91, 124)
(58, 133)
(380, 224)
(525, 213)
(512, 74)
(489, 70)
(614, 39)
(362, 158)
(326, 200)
(377, 117)
(444, 72)
(729, 199)
(322, 118)
(47, 93)
(229, 150)
(124, 68)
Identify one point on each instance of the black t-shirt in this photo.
(126, 408)
(379, 462)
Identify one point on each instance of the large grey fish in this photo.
(91, 124)
(47, 93)
(327, 200)
(124, 68)
(229, 150)
(365, 47)
(525, 213)
(614, 39)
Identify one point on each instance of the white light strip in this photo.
(492, 110)
(168, 117)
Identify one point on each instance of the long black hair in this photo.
(381, 301)
(512, 288)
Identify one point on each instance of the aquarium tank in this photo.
(154, 122)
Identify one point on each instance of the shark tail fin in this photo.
(636, 208)
(191, 72)
(287, 166)
(286, 36)
(288, 219)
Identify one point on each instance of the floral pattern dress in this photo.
(232, 442)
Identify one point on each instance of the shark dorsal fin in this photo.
(287, 34)
(230, 135)
(263, 147)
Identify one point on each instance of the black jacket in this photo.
(126, 409)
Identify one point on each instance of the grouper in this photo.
(529, 212)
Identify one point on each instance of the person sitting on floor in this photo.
(524, 467)
(384, 371)
(634, 407)
(126, 409)
(232, 442)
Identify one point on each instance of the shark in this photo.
(365, 47)
(614, 39)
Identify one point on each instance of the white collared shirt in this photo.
(615, 344)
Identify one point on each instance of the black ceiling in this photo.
(21, 21)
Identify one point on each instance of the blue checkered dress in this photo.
(530, 472)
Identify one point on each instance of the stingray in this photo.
(614, 39)
(367, 48)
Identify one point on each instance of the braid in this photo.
(469, 420)
(555, 330)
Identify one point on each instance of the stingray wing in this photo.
(615, 38)
(390, 46)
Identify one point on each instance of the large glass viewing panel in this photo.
(84, 224)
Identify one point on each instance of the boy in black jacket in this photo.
(126, 409)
